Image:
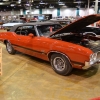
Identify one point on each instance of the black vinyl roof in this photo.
(36, 23)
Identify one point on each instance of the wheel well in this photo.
(49, 55)
(5, 41)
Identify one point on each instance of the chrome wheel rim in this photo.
(59, 63)
(9, 48)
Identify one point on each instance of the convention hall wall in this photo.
(63, 12)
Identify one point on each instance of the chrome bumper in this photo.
(92, 60)
(88, 65)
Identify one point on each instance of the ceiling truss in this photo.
(6, 5)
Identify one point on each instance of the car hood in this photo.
(78, 24)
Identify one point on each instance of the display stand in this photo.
(0, 61)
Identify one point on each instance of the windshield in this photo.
(46, 30)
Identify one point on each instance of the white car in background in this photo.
(7, 26)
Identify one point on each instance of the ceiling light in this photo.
(64, 6)
(37, 6)
(78, 6)
(19, 2)
(1, 3)
(51, 6)
(41, 2)
(92, 6)
(6, 3)
(95, 1)
(5, 0)
(19, 5)
(61, 4)
(78, 2)
(12, 5)
(27, 4)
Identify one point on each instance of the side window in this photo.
(18, 30)
(25, 30)
(31, 29)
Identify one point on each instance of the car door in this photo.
(23, 41)
(26, 43)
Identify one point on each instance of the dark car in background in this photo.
(95, 31)
(62, 21)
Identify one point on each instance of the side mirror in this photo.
(31, 35)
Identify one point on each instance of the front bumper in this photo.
(88, 65)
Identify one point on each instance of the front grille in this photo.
(94, 46)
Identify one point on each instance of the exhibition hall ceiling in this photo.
(6, 5)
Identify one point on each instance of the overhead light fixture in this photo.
(32, 0)
(1, 3)
(27, 4)
(12, 5)
(92, 6)
(64, 6)
(5, 0)
(78, 6)
(51, 6)
(78, 2)
(95, 1)
(19, 1)
(19, 5)
(61, 4)
(37, 6)
(41, 2)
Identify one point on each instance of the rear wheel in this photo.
(60, 64)
(9, 48)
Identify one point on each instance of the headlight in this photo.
(93, 58)
(98, 55)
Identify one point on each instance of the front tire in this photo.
(9, 48)
(60, 64)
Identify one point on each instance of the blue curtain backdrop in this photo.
(58, 11)
(77, 12)
(24, 12)
(40, 11)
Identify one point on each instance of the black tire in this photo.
(60, 64)
(9, 48)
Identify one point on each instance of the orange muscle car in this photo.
(66, 48)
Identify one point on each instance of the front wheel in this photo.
(9, 48)
(60, 64)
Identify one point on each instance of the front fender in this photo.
(75, 53)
